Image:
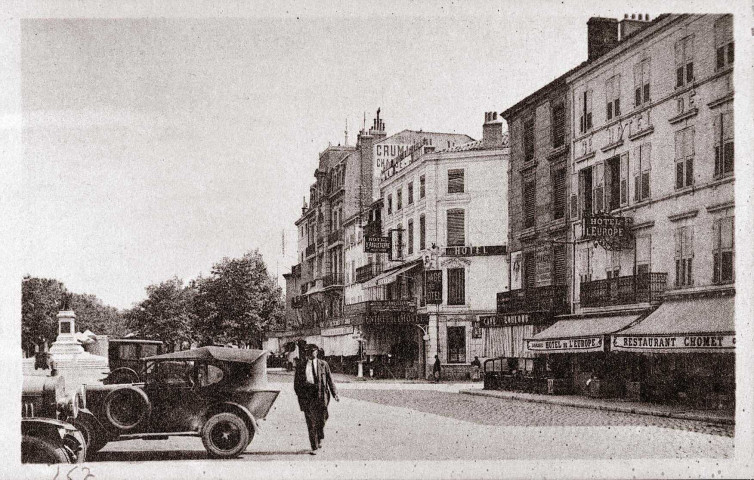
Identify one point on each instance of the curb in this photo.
(611, 408)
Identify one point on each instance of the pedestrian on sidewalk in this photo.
(313, 384)
(476, 366)
(437, 369)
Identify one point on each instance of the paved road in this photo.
(423, 422)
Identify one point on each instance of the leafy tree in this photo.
(237, 301)
(40, 303)
(92, 314)
(166, 314)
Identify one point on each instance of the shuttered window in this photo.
(456, 286)
(422, 232)
(529, 139)
(410, 237)
(558, 193)
(722, 253)
(422, 186)
(529, 203)
(558, 125)
(684, 256)
(559, 275)
(455, 181)
(530, 270)
(456, 222)
(410, 199)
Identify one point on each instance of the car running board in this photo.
(157, 436)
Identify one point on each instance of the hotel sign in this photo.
(433, 287)
(376, 244)
(476, 251)
(677, 343)
(610, 232)
(566, 345)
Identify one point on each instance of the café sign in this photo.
(674, 343)
(376, 244)
(476, 251)
(566, 345)
(608, 231)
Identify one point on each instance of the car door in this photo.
(172, 388)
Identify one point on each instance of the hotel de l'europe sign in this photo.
(608, 231)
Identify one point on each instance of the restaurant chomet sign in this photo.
(678, 343)
(566, 345)
(376, 244)
(608, 231)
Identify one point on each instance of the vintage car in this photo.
(47, 435)
(124, 358)
(216, 393)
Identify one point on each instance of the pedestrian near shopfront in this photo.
(313, 385)
(476, 366)
(436, 369)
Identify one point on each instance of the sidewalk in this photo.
(711, 416)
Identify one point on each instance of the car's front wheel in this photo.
(39, 450)
(225, 435)
(94, 437)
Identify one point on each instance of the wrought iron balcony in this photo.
(310, 250)
(548, 298)
(332, 279)
(370, 270)
(641, 288)
(334, 236)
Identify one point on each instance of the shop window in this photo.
(529, 203)
(724, 42)
(722, 253)
(455, 181)
(641, 83)
(456, 225)
(558, 193)
(612, 95)
(456, 344)
(684, 256)
(422, 186)
(410, 193)
(528, 139)
(456, 286)
(723, 128)
(684, 61)
(684, 158)
(558, 125)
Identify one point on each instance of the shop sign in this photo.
(376, 244)
(674, 342)
(336, 331)
(585, 344)
(433, 287)
(610, 232)
(504, 320)
(475, 251)
(390, 318)
(391, 305)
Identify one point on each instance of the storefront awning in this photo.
(577, 335)
(389, 277)
(683, 326)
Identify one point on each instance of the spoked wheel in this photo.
(225, 435)
(94, 437)
(38, 450)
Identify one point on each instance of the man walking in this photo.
(436, 369)
(313, 384)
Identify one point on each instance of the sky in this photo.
(154, 147)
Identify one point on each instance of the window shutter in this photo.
(559, 265)
(624, 179)
(529, 204)
(559, 197)
(456, 218)
(422, 232)
(410, 237)
(456, 286)
(455, 181)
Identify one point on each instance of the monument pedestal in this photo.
(71, 360)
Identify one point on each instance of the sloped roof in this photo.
(476, 145)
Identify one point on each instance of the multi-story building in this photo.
(652, 212)
(444, 211)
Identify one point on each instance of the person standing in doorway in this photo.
(313, 385)
(436, 369)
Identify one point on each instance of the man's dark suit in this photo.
(313, 399)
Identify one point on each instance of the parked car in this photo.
(216, 393)
(47, 435)
(124, 357)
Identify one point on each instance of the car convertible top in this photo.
(236, 355)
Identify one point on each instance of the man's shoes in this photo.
(313, 452)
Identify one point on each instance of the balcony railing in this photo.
(334, 236)
(549, 298)
(310, 250)
(641, 288)
(370, 270)
(332, 279)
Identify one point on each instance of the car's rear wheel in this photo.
(225, 435)
(94, 438)
(38, 450)
(127, 408)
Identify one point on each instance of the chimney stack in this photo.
(492, 131)
(602, 35)
(629, 26)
